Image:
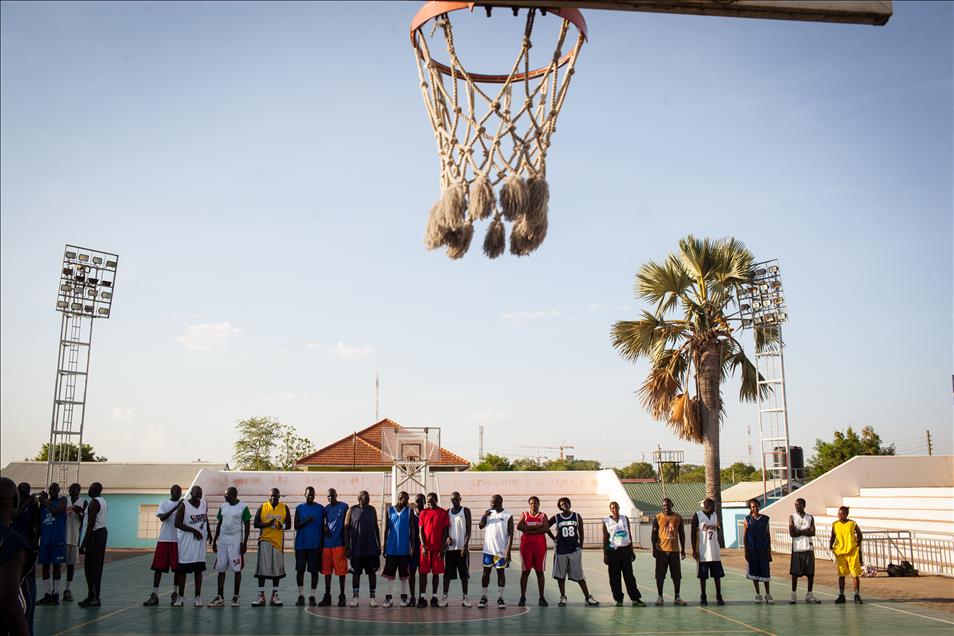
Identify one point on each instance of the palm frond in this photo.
(662, 284)
(734, 359)
(658, 390)
(685, 419)
(645, 338)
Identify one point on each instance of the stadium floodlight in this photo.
(80, 300)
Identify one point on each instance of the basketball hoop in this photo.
(490, 135)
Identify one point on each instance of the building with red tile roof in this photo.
(362, 451)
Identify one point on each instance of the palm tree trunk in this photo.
(707, 383)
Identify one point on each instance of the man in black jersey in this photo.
(568, 561)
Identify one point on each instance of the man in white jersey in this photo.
(705, 549)
(166, 556)
(497, 525)
(618, 556)
(801, 527)
(192, 522)
(75, 511)
(230, 543)
(456, 559)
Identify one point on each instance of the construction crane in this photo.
(560, 448)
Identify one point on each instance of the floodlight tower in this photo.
(87, 284)
(762, 309)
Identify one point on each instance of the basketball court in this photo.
(127, 583)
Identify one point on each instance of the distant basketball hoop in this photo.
(410, 451)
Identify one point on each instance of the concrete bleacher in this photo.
(590, 491)
(919, 510)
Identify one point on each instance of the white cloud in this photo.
(522, 317)
(347, 352)
(594, 306)
(489, 416)
(312, 345)
(206, 336)
(123, 414)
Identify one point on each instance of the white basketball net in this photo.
(492, 133)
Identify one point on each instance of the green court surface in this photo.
(127, 583)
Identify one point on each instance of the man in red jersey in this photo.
(434, 527)
(533, 548)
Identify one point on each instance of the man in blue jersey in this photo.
(333, 559)
(568, 560)
(400, 535)
(52, 541)
(309, 526)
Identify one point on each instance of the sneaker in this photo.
(235, 601)
(84, 602)
(218, 601)
(325, 601)
(769, 600)
(810, 598)
(639, 603)
(703, 600)
(543, 602)
(442, 602)
(301, 601)
(434, 602)
(388, 601)
(679, 601)
(149, 602)
(260, 600)
(67, 596)
(404, 601)
(421, 602)
(659, 601)
(591, 602)
(840, 600)
(858, 600)
(719, 600)
(502, 605)
(793, 599)
(277, 602)
(96, 603)
(198, 603)
(177, 601)
(46, 600)
(482, 604)
(522, 602)
(562, 601)
(758, 598)
(173, 599)
(465, 602)
(372, 602)
(353, 602)
(619, 603)
(341, 600)
(312, 602)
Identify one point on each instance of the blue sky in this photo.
(265, 171)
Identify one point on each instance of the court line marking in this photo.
(98, 618)
(728, 618)
(487, 617)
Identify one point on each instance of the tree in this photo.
(636, 470)
(67, 452)
(571, 464)
(692, 473)
(492, 462)
(264, 443)
(845, 445)
(693, 352)
(740, 471)
(525, 463)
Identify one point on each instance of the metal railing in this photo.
(929, 554)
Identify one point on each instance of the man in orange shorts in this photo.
(333, 557)
(434, 526)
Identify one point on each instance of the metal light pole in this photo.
(762, 308)
(86, 287)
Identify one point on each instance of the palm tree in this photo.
(690, 356)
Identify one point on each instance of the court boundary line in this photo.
(526, 610)
(90, 622)
(729, 618)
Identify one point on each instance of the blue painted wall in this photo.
(123, 519)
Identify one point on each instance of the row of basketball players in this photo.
(424, 540)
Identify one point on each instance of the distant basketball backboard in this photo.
(420, 444)
(875, 12)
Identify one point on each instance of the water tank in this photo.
(798, 460)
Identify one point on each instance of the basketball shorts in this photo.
(432, 562)
(568, 566)
(308, 560)
(229, 557)
(711, 569)
(803, 563)
(533, 557)
(668, 561)
(188, 568)
(366, 564)
(456, 566)
(271, 561)
(759, 567)
(395, 564)
(333, 561)
(72, 554)
(166, 556)
(52, 554)
(849, 564)
(494, 561)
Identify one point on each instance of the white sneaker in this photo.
(218, 601)
(679, 601)
(260, 600)
(810, 598)
(769, 600)
(388, 601)
(199, 603)
(277, 602)
(466, 602)
(592, 602)
(177, 602)
(442, 602)
(353, 602)
(235, 601)
(660, 601)
(372, 602)
(562, 602)
(793, 598)
(758, 598)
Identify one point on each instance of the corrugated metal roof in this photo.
(745, 490)
(116, 476)
(685, 496)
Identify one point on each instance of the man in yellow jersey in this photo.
(845, 543)
(272, 519)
